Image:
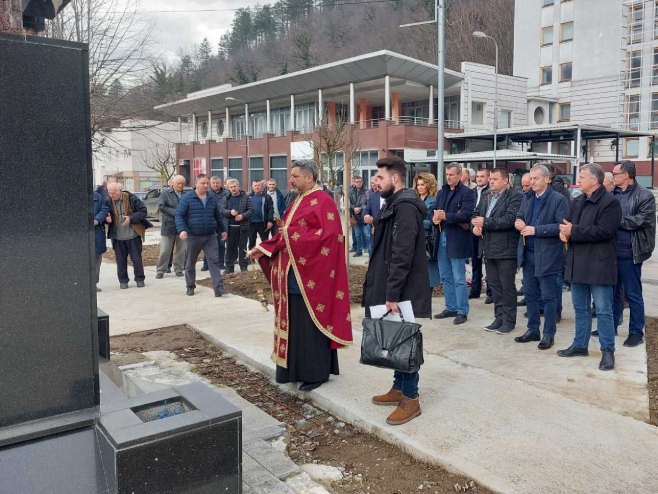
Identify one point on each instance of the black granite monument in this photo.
(64, 426)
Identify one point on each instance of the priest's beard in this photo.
(387, 191)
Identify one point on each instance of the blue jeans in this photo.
(362, 236)
(629, 275)
(407, 382)
(453, 279)
(539, 291)
(582, 295)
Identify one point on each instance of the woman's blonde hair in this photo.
(430, 183)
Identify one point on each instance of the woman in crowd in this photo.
(426, 187)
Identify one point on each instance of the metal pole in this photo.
(653, 158)
(495, 106)
(439, 6)
(246, 121)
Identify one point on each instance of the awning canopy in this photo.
(549, 133)
(363, 68)
(505, 155)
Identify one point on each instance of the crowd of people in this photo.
(416, 239)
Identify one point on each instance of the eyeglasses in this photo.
(618, 173)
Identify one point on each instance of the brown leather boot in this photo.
(393, 397)
(407, 410)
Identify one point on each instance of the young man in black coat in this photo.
(398, 272)
(592, 263)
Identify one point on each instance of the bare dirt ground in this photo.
(371, 466)
(149, 255)
(651, 337)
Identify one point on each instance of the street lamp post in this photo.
(246, 122)
(439, 18)
(480, 34)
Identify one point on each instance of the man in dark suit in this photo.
(373, 203)
(482, 181)
(453, 211)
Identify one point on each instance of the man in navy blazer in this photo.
(453, 210)
(372, 204)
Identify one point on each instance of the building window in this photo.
(280, 118)
(204, 129)
(565, 112)
(238, 127)
(305, 116)
(217, 168)
(635, 20)
(546, 3)
(415, 112)
(654, 111)
(279, 172)
(655, 21)
(235, 169)
(546, 75)
(505, 120)
(257, 124)
(565, 72)
(255, 169)
(547, 35)
(654, 74)
(220, 128)
(633, 112)
(631, 148)
(564, 148)
(566, 31)
(539, 115)
(634, 68)
(477, 113)
(364, 163)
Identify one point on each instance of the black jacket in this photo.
(268, 207)
(457, 225)
(167, 208)
(357, 200)
(246, 210)
(398, 264)
(548, 248)
(591, 256)
(558, 186)
(641, 221)
(500, 238)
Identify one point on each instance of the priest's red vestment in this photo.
(311, 242)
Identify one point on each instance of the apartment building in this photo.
(389, 100)
(591, 62)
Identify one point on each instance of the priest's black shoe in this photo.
(545, 343)
(607, 360)
(445, 314)
(306, 386)
(494, 325)
(527, 337)
(573, 351)
(473, 295)
(488, 300)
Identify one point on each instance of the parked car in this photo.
(140, 195)
(152, 198)
(575, 191)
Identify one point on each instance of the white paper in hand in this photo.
(377, 311)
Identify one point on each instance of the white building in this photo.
(592, 62)
(129, 149)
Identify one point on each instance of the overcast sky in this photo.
(185, 29)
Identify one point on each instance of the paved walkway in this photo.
(508, 415)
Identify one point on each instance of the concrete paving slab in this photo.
(508, 415)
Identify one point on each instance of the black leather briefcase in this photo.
(396, 345)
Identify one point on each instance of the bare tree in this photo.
(117, 38)
(161, 159)
(11, 16)
(331, 137)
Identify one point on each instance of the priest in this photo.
(305, 265)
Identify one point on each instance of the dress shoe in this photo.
(494, 325)
(243, 270)
(140, 284)
(159, 276)
(504, 329)
(169, 269)
(595, 333)
(98, 289)
(393, 397)
(310, 386)
(633, 340)
(546, 343)
(521, 303)
(180, 273)
(488, 300)
(229, 271)
(528, 336)
(558, 317)
(460, 319)
(190, 292)
(573, 351)
(607, 360)
(445, 314)
(123, 286)
(407, 410)
(519, 292)
(473, 295)
(204, 268)
(358, 254)
(218, 292)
